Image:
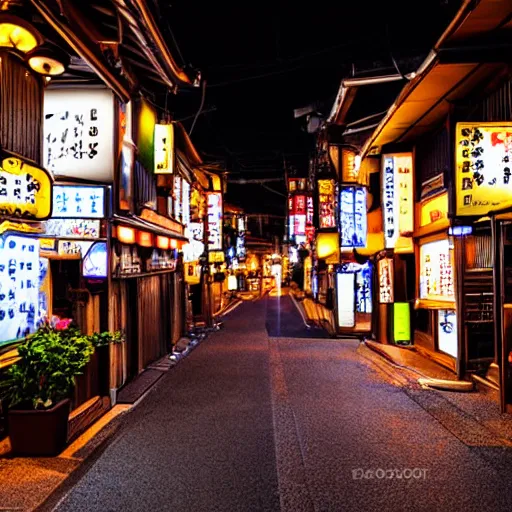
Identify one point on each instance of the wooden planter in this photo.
(39, 433)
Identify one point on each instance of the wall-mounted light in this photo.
(18, 34)
(48, 61)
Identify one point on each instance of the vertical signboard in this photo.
(385, 267)
(326, 198)
(215, 221)
(21, 274)
(398, 195)
(353, 222)
(164, 148)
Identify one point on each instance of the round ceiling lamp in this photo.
(17, 34)
(48, 61)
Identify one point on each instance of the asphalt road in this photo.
(250, 422)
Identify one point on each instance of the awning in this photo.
(138, 223)
(467, 55)
(426, 101)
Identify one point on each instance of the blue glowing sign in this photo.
(353, 226)
(78, 201)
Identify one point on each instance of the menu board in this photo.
(436, 271)
(21, 273)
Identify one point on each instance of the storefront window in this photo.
(436, 271)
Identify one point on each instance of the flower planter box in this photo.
(39, 433)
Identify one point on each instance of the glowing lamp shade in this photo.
(162, 242)
(48, 61)
(144, 239)
(174, 243)
(17, 34)
(126, 235)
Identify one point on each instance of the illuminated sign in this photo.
(177, 198)
(398, 207)
(447, 332)
(353, 224)
(79, 133)
(436, 271)
(300, 204)
(73, 248)
(25, 190)
(95, 263)
(232, 283)
(185, 202)
(310, 211)
(326, 204)
(385, 267)
(401, 322)
(483, 156)
(291, 225)
(214, 221)
(299, 224)
(164, 148)
(350, 172)
(72, 228)
(345, 287)
(70, 201)
(21, 274)
(434, 209)
(216, 257)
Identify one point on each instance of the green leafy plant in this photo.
(49, 361)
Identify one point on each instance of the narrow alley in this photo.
(252, 422)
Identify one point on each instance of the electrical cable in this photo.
(203, 94)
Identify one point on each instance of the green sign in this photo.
(401, 322)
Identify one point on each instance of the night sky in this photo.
(261, 60)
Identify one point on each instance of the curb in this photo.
(424, 380)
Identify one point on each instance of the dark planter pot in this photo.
(39, 433)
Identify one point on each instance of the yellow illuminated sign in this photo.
(164, 149)
(25, 190)
(483, 167)
(434, 209)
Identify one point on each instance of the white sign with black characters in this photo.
(79, 133)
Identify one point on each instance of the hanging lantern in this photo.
(48, 61)
(18, 34)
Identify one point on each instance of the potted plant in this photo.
(37, 388)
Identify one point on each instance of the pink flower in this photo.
(63, 324)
